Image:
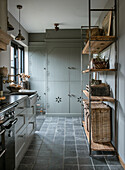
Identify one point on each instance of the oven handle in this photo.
(11, 123)
(1, 154)
(3, 131)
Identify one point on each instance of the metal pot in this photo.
(3, 71)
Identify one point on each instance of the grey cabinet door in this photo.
(63, 79)
(58, 80)
(38, 73)
(57, 97)
(74, 90)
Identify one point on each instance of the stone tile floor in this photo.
(60, 144)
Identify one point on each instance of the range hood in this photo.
(4, 40)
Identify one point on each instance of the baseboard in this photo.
(121, 161)
(64, 114)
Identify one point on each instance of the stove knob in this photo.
(8, 115)
(12, 113)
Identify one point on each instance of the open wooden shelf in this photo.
(99, 98)
(98, 70)
(98, 146)
(98, 44)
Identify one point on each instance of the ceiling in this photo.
(39, 15)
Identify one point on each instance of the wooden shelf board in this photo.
(99, 98)
(98, 44)
(98, 146)
(98, 70)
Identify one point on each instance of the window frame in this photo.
(16, 67)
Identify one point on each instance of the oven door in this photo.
(10, 144)
(2, 148)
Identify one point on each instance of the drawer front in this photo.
(31, 127)
(20, 146)
(20, 108)
(21, 121)
(32, 100)
(31, 112)
(20, 141)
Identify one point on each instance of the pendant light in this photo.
(19, 36)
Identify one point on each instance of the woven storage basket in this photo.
(98, 64)
(86, 112)
(100, 123)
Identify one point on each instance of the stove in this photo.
(7, 136)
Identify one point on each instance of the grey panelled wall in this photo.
(60, 89)
(37, 71)
(121, 78)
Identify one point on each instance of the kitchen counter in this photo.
(10, 100)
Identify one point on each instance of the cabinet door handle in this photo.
(20, 115)
(21, 108)
(21, 136)
(2, 131)
(1, 154)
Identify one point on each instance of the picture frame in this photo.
(107, 24)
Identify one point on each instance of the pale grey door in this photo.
(63, 80)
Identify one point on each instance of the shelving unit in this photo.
(99, 98)
(98, 70)
(96, 45)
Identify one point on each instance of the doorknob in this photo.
(72, 95)
(69, 95)
(73, 68)
(69, 67)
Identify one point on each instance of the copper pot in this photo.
(3, 71)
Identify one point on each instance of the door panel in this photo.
(58, 62)
(58, 101)
(75, 65)
(75, 99)
(63, 79)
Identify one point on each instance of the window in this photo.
(17, 60)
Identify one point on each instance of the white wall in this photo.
(109, 77)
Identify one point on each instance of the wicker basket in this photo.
(100, 122)
(100, 64)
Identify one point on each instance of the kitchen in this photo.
(44, 120)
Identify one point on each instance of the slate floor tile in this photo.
(25, 167)
(99, 161)
(41, 167)
(112, 160)
(70, 161)
(116, 167)
(86, 167)
(69, 142)
(101, 168)
(83, 154)
(82, 147)
(29, 160)
(70, 154)
(70, 167)
(31, 153)
(85, 161)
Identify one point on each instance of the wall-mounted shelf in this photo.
(98, 70)
(99, 98)
(98, 146)
(4, 40)
(98, 44)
